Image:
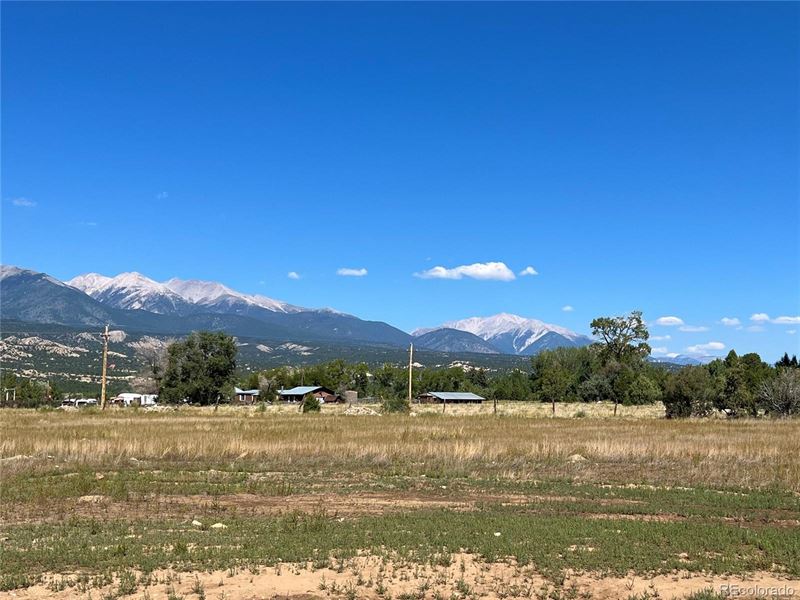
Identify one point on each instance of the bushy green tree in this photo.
(251, 382)
(513, 385)
(689, 393)
(742, 379)
(623, 349)
(200, 369)
(642, 390)
(595, 388)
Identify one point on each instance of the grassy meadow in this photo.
(243, 502)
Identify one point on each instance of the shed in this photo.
(320, 392)
(245, 396)
(450, 397)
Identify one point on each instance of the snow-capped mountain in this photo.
(211, 294)
(512, 334)
(132, 291)
(90, 283)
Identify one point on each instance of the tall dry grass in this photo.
(719, 453)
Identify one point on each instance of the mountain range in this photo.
(137, 303)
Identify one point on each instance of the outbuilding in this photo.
(450, 397)
(321, 393)
(245, 396)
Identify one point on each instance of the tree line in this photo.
(201, 369)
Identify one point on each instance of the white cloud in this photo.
(782, 320)
(658, 338)
(345, 272)
(693, 328)
(791, 331)
(786, 320)
(23, 202)
(755, 329)
(568, 308)
(701, 348)
(528, 271)
(162, 195)
(669, 321)
(730, 321)
(659, 351)
(495, 271)
(293, 275)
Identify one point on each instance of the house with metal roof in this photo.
(320, 392)
(450, 397)
(245, 396)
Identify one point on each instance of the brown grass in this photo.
(744, 453)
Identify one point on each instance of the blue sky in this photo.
(634, 155)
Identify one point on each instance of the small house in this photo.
(245, 396)
(450, 397)
(321, 393)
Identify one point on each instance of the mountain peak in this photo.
(135, 278)
(197, 290)
(89, 282)
(209, 293)
(512, 333)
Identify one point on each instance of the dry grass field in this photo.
(249, 503)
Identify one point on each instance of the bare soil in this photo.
(244, 504)
(362, 576)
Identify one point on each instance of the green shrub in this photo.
(310, 404)
(395, 405)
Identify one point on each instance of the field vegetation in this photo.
(594, 474)
(243, 501)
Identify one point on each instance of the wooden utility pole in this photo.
(105, 366)
(410, 369)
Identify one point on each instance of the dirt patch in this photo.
(373, 577)
(345, 505)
